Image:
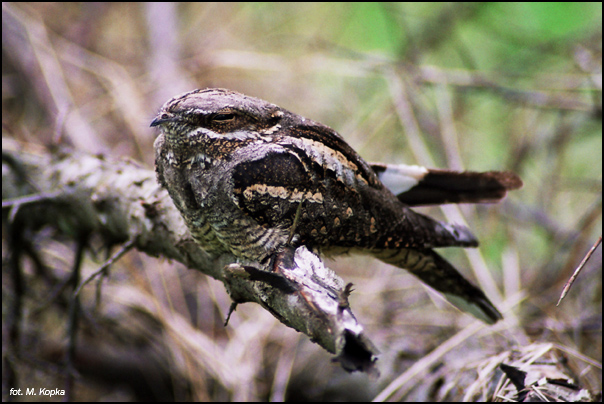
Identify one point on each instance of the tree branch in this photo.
(81, 194)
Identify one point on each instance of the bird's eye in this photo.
(223, 117)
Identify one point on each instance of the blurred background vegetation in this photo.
(476, 86)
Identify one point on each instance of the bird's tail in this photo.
(437, 273)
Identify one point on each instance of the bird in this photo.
(251, 178)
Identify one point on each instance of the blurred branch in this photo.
(121, 201)
(569, 92)
(27, 37)
(27, 43)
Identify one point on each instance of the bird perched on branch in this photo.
(251, 178)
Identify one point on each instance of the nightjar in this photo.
(250, 178)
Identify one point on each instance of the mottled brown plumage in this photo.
(239, 169)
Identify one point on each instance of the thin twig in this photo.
(125, 248)
(23, 200)
(579, 268)
(73, 320)
(292, 231)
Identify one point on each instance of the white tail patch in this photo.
(401, 178)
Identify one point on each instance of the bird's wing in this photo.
(335, 205)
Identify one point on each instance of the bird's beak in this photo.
(157, 121)
(162, 118)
